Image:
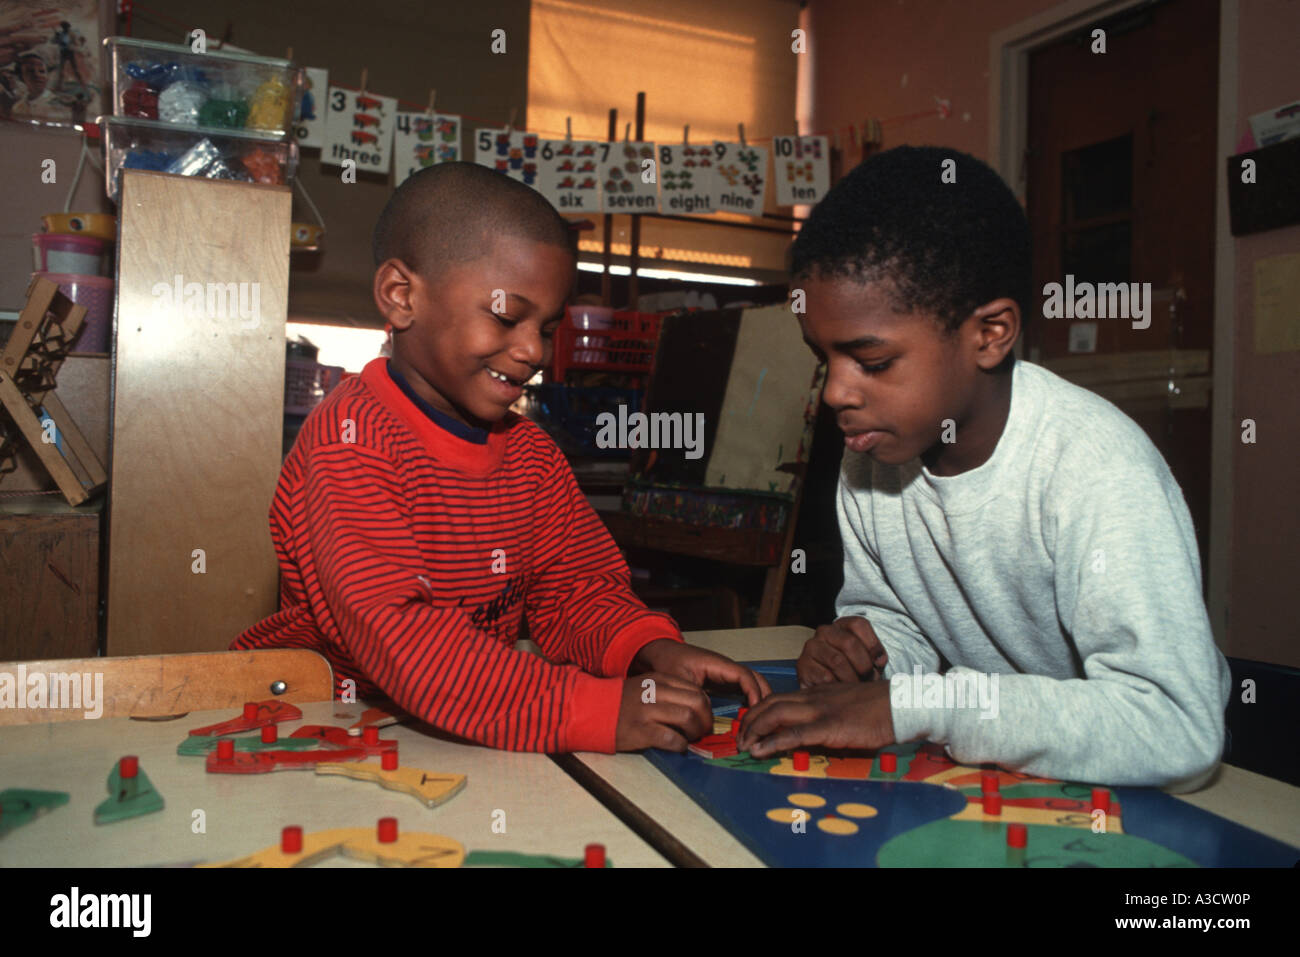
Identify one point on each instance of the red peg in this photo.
(269, 734)
(1017, 835)
(388, 760)
(291, 840)
(989, 782)
(129, 766)
(370, 735)
(594, 855)
(740, 715)
(801, 760)
(225, 749)
(387, 830)
(993, 803)
(888, 762)
(250, 711)
(1101, 799)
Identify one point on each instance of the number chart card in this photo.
(514, 153)
(740, 178)
(801, 166)
(423, 139)
(570, 174)
(625, 176)
(309, 118)
(686, 175)
(359, 127)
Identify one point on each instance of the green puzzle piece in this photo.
(128, 797)
(950, 843)
(201, 744)
(515, 859)
(19, 806)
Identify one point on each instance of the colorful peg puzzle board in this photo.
(928, 813)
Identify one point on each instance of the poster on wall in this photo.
(423, 139)
(514, 153)
(801, 166)
(624, 187)
(569, 173)
(359, 127)
(309, 119)
(50, 66)
(686, 179)
(740, 178)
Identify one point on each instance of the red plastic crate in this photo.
(628, 345)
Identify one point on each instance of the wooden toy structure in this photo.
(29, 364)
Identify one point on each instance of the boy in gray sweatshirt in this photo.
(1020, 565)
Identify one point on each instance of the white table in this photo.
(1258, 802)
(546, 812)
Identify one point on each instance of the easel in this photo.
(46, 329)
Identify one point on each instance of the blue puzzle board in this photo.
(739, 800)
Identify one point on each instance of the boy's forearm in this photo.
(1097, 731)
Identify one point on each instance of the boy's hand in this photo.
(701, 667)
(837, 715)
(845, 650)
(661, 711)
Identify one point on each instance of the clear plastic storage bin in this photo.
(194, 151)
(231, 91)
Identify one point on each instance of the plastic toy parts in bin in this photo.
(173, 84)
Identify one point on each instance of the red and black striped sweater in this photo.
(408, 556)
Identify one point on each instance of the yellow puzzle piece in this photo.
(412, 849)
(425, 786)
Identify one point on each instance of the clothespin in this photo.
(364, 74)
(627, 132)
(686, 135)
(433, 96)
(568, 128)
(511, 122)
(741, 129)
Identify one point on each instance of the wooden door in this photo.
(1121, 173)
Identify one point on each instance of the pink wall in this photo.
(1266, 507)
(888, 58)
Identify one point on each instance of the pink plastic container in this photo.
(71, 255)
(96, 294)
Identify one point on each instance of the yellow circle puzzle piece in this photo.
(837, 825)
(851, 809)
(806, 800)
(785, 815)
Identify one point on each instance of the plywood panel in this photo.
(49, 578)
(197, 414)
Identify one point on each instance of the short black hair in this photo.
(945, 248)
(450, 213)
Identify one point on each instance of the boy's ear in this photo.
(997, 327)
(394, 291)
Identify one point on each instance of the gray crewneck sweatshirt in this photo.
(1057, 586)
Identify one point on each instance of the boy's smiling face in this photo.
(460, 355)
(894, 378)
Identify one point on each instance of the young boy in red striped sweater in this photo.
(418, 521)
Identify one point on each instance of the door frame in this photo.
(1009, 51)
